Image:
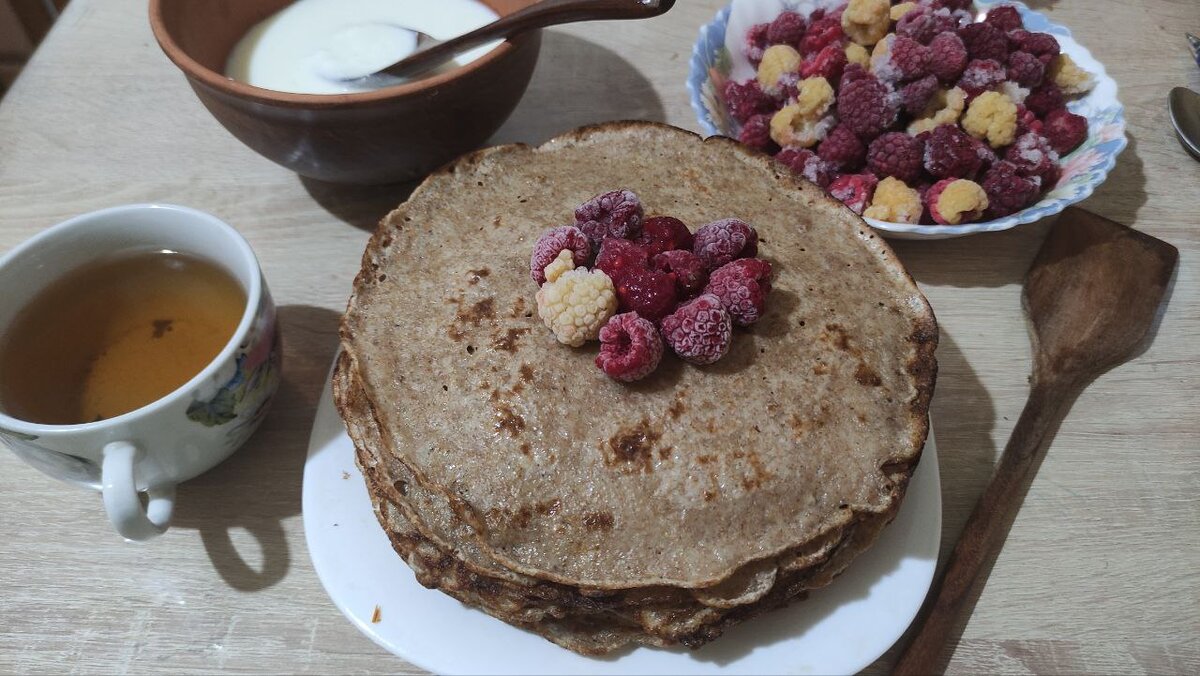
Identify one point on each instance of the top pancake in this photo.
(812, 422)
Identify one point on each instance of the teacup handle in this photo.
(121, 501)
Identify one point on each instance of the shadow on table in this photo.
(576, 82)
(260, 485)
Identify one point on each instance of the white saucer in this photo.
(840, 629)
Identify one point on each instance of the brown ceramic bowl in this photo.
(383, 136)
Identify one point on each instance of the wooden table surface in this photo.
(1101, 572)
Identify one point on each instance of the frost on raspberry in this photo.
(842, 149)
(981, 76)
(663, 233)
(866, 107)
(1041, 45)
(612, 214)
(954, 201)
(808, 164)
(786, 29)
(896, 154)
(576, 305)
(742, 286)
(950, 153)
(756, 43)
(985, 42)
(746, 100)
(554, 241)
(1033, 155)
(723, 241)
(689, 271)
(699, 331)
(630, 348)
(910, 58)
(1007, 190)
(923, 24)
(1025, 69)
(947, 57)
(854, 190)
(756, 133)
(1065, 130)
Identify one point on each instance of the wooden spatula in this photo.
(1092, 295)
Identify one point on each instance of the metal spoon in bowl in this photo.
(1184, 106)
(368, 53)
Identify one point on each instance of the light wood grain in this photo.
(1099, 573)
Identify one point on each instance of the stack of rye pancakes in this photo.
(511, 474)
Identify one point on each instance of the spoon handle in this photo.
(537, 15)
(954, 593)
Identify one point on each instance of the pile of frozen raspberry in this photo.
(910, 112)
(640, 285)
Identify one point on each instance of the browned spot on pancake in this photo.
(772, 407)
(526, 373)
(549, 507)
(799, 425)
(508, 341)
(598, 521)
(522, 517)
(665, 452)
(760, 472)
(705, 459)
(820, 369)
(526, 450)
(709, 496)
(632, 448)
(840, 338)
(518, 308)
(677, 408)
(477, 275)
(508, 420)
(474, 315)
(861, 418)
(496, 222)
(865, 375)
(711, 426)
(401, 487)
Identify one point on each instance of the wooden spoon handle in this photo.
(984, 534)
(537, 15)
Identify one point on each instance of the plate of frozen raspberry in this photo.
(930, 119)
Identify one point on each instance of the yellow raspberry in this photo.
(895, 202)
(992, 116)
(945, 108)
(777, 61)
(898, 11)
(867, 21)
(1069, 76)
(814, 96)
(959, 199)
(564, 263)
(856, 53)
(790, 127)
(577, 305)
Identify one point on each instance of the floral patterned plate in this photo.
(717, 57)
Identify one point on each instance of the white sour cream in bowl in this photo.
(310, 46)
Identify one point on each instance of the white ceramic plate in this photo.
(840, 629)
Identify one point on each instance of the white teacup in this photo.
(183, 434)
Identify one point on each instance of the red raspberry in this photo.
(984, 41)
(699, 331)
(756, 133)
(910, 57)
(618, 256)
(1041, 45)
(1033, 156)
(553, 242)
(663, 233)
(650, 293)
(690, 273)
(947, 57)
(630, 347)
(842, 149)
(1007, 190)
(987, 156)
(896, 154)
(1004, 17)
(916, 95)
(1045, 99)
(854, 190)
(852, 72)
(866, 107)
(951, 153)
(756, 43)
(952, 5)
(1027, 121)
(1065, 130)
(747, 100)
(742, 286)
(786, 29)
(806, 163)
(981, 76)
(1025, 69)
(829, 63)
(923, 24)
(611, 214)
(822, 32)
(723, 241)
